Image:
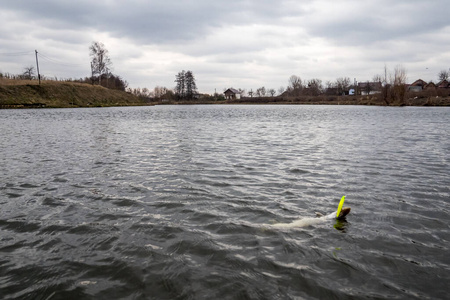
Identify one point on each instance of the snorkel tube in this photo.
(340, 206)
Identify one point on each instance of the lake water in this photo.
(176, 202)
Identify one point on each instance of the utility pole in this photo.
(37, 65)
(92, 74)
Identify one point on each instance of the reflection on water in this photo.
(340, 225)
(170, 202)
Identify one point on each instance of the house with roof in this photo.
(430, 86)
(231, 94)
(443, 84)
(417, 85)
(421, 85)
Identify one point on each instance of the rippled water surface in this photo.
(176, 202)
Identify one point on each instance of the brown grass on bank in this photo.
(28, 93)
(6, 81)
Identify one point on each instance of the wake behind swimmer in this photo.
(313, 221)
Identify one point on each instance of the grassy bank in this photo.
(26, 93)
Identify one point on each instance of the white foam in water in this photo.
(305, 222)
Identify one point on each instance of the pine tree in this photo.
(191, 87)
(186, 87)
(180, 88)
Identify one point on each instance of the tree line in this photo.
(185, 89)
(297, 87)
(391, 86)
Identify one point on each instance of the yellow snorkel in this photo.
(340, 206)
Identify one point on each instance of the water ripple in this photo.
(173, 202)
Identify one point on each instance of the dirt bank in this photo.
(61, 94)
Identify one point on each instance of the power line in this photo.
(54, 61)
(23, 53)
(43, 56)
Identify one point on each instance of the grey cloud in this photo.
(170, 22)
(149, 21)
(380, 21)
(221, 36)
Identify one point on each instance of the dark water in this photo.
(170, 202)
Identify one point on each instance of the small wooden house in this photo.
(232, 94)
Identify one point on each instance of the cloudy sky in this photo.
(228, 43)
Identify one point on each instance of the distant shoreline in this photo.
(318, 100)
(53, 94)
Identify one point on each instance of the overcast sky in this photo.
(229, 43)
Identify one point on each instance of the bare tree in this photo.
(382, 80)
(315, 86)
(100, 61)
(28, 72)
(281, 90)
(342, 84)
(261, 92)
(443, 75)
(329, 86)
(271, 92)
(242, 92)
(159, 91)
(251, 93)
(399, 76)
(146, 92)
(393, 85)
(377, 78)
(295, 85)
(398, 84)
